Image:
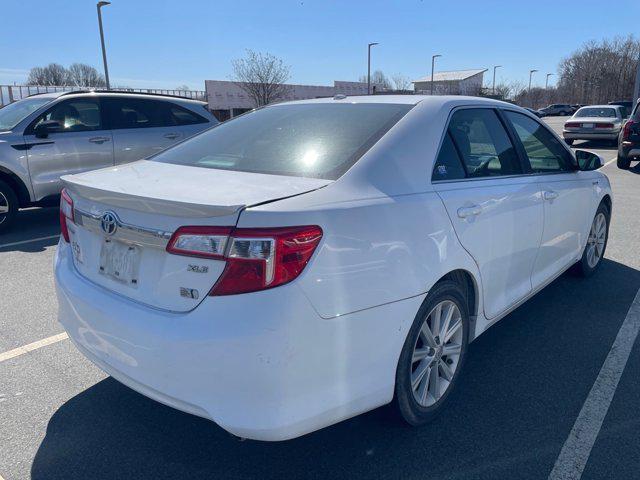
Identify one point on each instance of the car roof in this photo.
(601, 106)
(109, 93)
(432, 100)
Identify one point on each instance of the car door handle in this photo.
(99, 140)
(472, 211)
(549, 195)
(171, 136)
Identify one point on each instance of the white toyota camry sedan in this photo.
(312, 260)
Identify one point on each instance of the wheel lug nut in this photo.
(449, 361)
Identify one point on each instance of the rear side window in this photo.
(448, 164)
(182, 116)
(321, 140)
(543, 149)
(483, 143)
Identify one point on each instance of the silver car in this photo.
(43, 137)
(595, 122)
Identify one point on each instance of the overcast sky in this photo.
(163, 44)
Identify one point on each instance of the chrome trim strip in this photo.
(126, 232)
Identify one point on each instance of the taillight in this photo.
(626, 132)
(66, 213)
(572, 125)
(257, 258)
(604, 125)
(206, 242)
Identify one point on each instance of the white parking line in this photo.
(32, 346)
(577, 448)
(39, 239)
(610, 161)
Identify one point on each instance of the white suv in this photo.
(312, 260)
(45, 136)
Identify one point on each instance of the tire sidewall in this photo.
(7, 219)
(586, 269)
(411, 411)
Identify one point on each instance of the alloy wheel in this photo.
(436, 353)
(596, 240)
(4, 207)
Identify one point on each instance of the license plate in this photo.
(120, 261)
(588, 125)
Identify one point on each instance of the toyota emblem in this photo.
(109, 223)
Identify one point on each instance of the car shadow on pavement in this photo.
(34, 230)
(524, 383)
(596, 145)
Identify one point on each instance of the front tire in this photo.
(596, 243)
(433, 354)
(8, 206)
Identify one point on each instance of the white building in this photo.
(226, 99)
(460, 82)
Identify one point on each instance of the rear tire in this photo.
(568, 141)
(433, 354)
(8, 206)
(596, 243)
(623, 163)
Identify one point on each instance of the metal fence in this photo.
(11, 93)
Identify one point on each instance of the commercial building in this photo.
(226, 99)
(460, 82)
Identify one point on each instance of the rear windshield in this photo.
(320, 140)
(596, 112)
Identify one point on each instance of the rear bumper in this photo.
(263, 365)
(590, 135)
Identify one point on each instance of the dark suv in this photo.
(629, 140)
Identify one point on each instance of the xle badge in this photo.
(197, 268)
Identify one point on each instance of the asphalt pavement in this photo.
(524, 385)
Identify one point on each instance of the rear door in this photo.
(568, 196)
(495, 209)
(141, 127)
(82, 143)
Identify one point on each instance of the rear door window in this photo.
(483, 144)
(124, 113)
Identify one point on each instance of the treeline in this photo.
(78, 75)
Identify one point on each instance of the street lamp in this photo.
(494, 79)
(531, 72)
(433, 63)
(369, 67)
(104, 52)
(546, 83)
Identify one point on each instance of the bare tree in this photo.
(599, 72)
(183, 87)
(401, 82)
(52, 74)
(262, 76)
(83, 75)
(378, 79)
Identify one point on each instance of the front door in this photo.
(567, 195)
(495, 210)
(81, 143)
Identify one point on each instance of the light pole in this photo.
(636, 90)
(104, 52)
(531, 72)
(369, 67)
(493, 90)
(433, 64)
(546, 83)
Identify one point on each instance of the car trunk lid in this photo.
(124, 217)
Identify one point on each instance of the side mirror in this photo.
(43, 129)
(588, 161)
